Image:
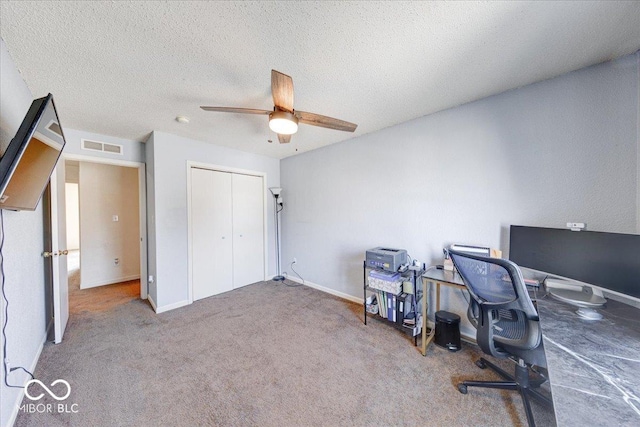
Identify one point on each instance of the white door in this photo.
(212, 237)
(248, 229)
(59, 249)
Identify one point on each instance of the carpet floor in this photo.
(265, 354)
(100, 298)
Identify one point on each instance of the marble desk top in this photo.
(594, 366)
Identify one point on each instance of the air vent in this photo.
(110, 148)
(91, 145)
(55, 128)
(101, 146)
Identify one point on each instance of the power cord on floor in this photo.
(5, 359)
(293, 284)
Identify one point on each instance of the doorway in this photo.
(103, 211)
(72, 203)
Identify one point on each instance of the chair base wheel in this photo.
(462, 388)
(480, 364)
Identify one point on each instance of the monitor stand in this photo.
(580, 296)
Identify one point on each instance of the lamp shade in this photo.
(283, 122)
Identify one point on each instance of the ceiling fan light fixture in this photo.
(283, 122)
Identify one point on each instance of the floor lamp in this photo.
(278, 206)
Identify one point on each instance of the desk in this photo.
(437, 277)
(594, 366)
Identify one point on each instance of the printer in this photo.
(385, 258)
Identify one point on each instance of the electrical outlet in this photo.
(116, 261)
(295, 260)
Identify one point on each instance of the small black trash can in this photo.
(448, 330)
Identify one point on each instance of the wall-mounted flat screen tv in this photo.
(31, 156)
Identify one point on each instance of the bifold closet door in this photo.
(212, 232)
(248, 229)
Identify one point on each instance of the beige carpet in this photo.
(101, 298)
(262, 355)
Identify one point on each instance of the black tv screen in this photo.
(31, 156)
(608, 260)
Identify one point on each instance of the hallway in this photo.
(101, 298)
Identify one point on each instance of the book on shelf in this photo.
(401, 307)
(382, 304)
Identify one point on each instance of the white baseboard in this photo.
(170, 306)
(109, 282)
(152, 302)
(325, 289)
(463, 336)
(32, 368)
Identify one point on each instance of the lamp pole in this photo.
(277, 203)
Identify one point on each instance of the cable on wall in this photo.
(297, 274)
(5, 359)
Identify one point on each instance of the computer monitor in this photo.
(606, 261)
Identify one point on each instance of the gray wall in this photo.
(23, 264)
(561, 150)
(132, 151)
(151, 217)
(167, 157)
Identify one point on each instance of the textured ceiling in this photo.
(127, 68)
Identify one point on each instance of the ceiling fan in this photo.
(283, 119)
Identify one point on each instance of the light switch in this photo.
(115, 218)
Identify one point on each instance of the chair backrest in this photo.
(500, 306)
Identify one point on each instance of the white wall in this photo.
(72, 213)
(167, 157)
(105, 191)
(23, 246)
(561, 150)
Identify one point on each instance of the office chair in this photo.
(506, 322)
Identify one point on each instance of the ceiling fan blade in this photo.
(324, 121)
(236, 110)
(284, 139)
(282, 90)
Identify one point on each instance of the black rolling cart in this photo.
(415, 276)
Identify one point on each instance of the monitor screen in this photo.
(608, 260)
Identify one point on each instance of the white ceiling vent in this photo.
(54, 127)
(101, 146)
